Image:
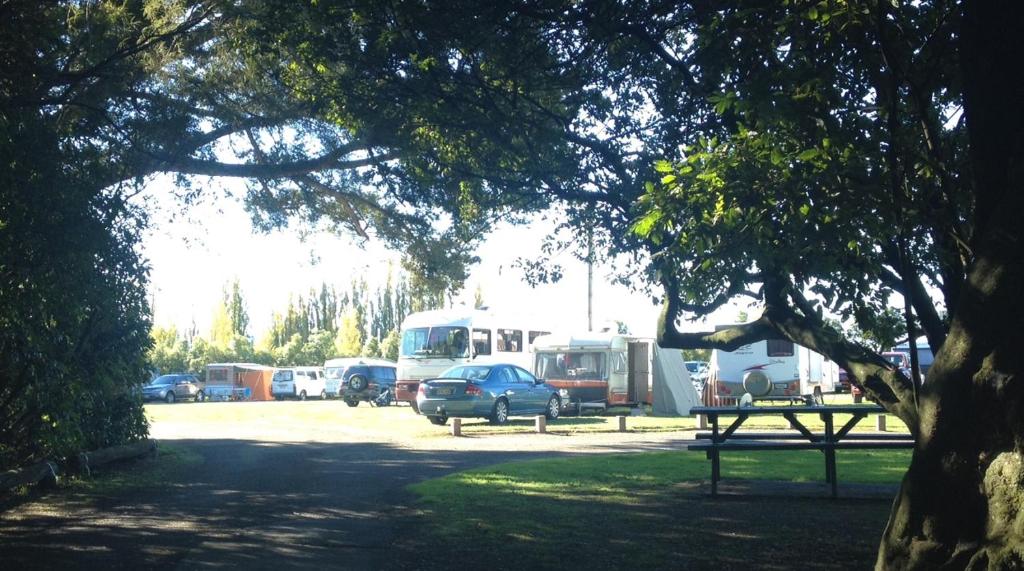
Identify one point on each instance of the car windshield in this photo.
(452, 342)
(164, 380)
(283, 376)
(474, 372)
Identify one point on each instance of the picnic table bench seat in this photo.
(872, 436)
(715, 442)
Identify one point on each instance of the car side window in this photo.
(524, 376)
(506, 376)
(512, 376)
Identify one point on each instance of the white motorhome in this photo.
(605, 369)
(771, 369)
(433, 341)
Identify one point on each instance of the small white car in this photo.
(298, 383)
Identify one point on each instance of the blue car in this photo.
(494, 392)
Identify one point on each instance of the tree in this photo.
(237, 313)
(74, 322)
(371, 348)
(390, 345)
(318, 348)
(478, 297)
(830, 190)
(169, 352)
(349, 341)
(222, 331)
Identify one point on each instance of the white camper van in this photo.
(604, 369)
(771, 369)
(298, 382)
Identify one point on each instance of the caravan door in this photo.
(639, 372)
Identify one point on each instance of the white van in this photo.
(298, 382)
(772, 369)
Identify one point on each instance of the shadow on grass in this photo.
(649, 511)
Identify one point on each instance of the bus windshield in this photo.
(451, 342)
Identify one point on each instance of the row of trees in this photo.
(311, 329)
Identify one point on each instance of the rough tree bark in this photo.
(961, 503)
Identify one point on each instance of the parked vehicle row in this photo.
(353, 380)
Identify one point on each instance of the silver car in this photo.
(170, 388)
(494, 392)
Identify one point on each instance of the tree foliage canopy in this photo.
(813, 155)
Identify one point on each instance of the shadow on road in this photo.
(242, 503)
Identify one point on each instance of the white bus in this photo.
(433, 341)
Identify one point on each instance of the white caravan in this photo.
(603, 369)
(433, 341)
(771, 369)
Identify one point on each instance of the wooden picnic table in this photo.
(798, 438)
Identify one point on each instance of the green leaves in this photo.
(808, 155)
(645, 225)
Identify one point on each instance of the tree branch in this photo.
(327, 161)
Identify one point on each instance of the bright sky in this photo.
(194, 254)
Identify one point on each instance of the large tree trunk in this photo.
(961, 504)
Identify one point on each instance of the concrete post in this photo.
(622, 423)
(702, 422)
(456, 427)
(880, 423)
(541, 424)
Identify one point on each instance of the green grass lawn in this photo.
(644, 510)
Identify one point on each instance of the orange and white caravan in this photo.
(607, 369)
(238, 381)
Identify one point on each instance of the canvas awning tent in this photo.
(674, 394)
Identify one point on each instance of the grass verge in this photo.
(171, 462)
(643, 510)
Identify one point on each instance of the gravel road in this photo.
(272, 491)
